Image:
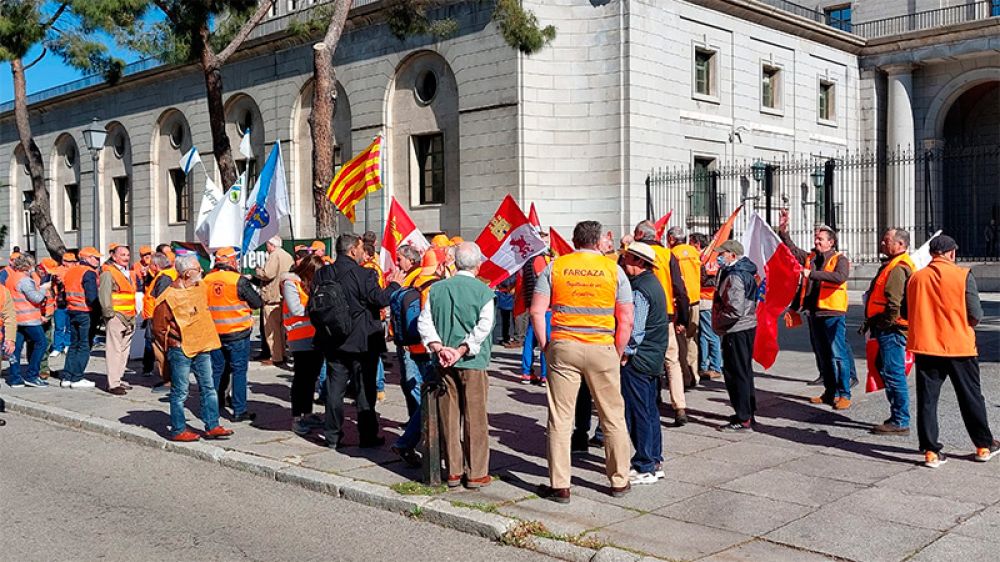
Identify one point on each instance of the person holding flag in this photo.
(884, 321)
(823, 297)
(734, 316)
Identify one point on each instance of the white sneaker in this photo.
(643, 478)
(55, 353)
(65, 384)
(83, 383)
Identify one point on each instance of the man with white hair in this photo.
(455, 323)
(278, 261)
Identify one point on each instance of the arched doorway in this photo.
(971, 166)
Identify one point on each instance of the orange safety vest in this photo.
(876, 299)
(123, 292)
(422, 283)
(831, 297)
(149, 302)
(584, 293)
(27, 311)
(662, 272)
(229, 312)
(297, 327)
(373, 264)
(708, 291)
(73, 282)
(935, 300)
(689, 261)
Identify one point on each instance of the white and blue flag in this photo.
(190, 159)
(269, 204)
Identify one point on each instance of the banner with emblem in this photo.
(508, 241)
(399, 231)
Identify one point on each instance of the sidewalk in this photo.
(809, 484)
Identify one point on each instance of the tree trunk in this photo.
(212, 68)
(39, 207)
(324, 105)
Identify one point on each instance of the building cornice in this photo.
(938, 43)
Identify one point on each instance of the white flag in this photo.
(190, 159)
(245, 149)
(270, 203)
(209, 199)
(922, 255)
(224, 225)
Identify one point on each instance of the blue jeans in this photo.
(60, 334)
(891, 364)
(181, 366)
(642, 418)
(37, 348)
(833, 354)
(528, 352)
(78, 354)
(416, 371)
(380, 377)
(709, 344)
(235, 355)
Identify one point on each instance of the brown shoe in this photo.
(890, 429)
(841, 404)
(118, 391)
(620, 492)
(714, 374)
(476, 483)
(266, 362)
(44, 375)
(823, 399)
(454, 481)
(217, 432)
(558, 495)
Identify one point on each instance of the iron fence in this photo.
(951, 15)
(857, 193)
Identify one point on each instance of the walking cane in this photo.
(431, 459)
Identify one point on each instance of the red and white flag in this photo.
(507, 242)
(399, 231)
(661, 224)
(533, 218)
(559, 245)
(779, 273)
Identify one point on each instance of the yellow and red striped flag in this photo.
(357, 178)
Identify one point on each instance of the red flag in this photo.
(780, 272)
(875, 382)
(533, 218)
(560, 247)
(709, 254)
(399, 231)
(507, 242)
(661, 224)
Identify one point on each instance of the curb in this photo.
(431, 509)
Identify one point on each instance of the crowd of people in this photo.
(613, 324)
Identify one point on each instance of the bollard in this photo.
(431, 458)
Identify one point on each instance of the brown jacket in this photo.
(181, 319)
(278, 262)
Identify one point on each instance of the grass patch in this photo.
(485, 507)
(520, 535)
(416, 512)
(417, 489)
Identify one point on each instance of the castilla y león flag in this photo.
(560, 247)
(399, 231)
(507, 242)
(779, 271)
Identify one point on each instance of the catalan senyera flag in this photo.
(357, 178)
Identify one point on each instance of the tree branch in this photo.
(166, 11)
(40, 57)
(59, 11)
(245, 31)
(337, 21)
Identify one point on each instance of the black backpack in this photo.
(327, 308)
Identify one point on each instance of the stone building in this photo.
(627, 86)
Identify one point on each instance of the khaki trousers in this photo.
(571, 362)
(687, 347)
(675, 374)
(465, 428)
(119, 342)
(274, 331)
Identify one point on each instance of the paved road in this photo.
(69, 495)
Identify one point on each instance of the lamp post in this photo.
(94, 136)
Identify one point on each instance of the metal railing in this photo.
(857, 193)
(266, 27)
(929, 19)
(799, 10)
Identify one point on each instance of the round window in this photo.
(426, 86)
(119, 146)
(177, 135)
(70, 156)
(246, 122)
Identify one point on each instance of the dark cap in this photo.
(731, 246)
(942, 245)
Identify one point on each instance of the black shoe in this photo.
(372, 443)
(409, 456)
(558, 495)
(595, 442)
(818, 381)
(890, 429)
(680, 418)
(735, 427)
(854, 382)
(2, 422)
(245, 417)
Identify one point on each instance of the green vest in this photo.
(455, 306)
